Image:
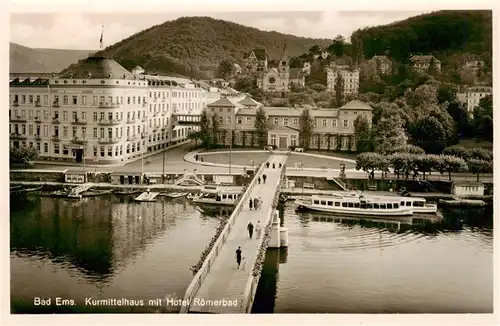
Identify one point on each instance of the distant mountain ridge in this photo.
(29, 60)
(194, 46)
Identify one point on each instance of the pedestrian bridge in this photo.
(219, 286)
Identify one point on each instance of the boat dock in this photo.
(147, 196)
(76, 192)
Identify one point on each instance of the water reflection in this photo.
(341, 264)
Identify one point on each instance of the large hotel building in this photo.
(100, 110)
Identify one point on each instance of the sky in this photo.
(82, 30)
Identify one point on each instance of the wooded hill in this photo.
(194, 46)
(441, 33)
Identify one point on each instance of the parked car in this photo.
(299, 149)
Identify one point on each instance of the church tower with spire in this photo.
(284, 61)
(284, 68)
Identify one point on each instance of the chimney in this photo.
(110, 75)
(89, 75)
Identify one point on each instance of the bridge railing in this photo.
(253, 280)
(198, 279)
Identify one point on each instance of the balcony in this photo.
(144, 105)
(143, 136)
(55, 120)
(112, 140)
(155, 114)
(56, 138)
(18, 119)
(78, 140)
(112, 122)
(38, 104)
(55, 104)
(131, 120)
(17, 136)
(78, 122)
(16, 103)
(131, 138)
(163, 113)
(38, 120)
(144, 119)
(38, 138)
(104, 105)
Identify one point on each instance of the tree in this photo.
(480, 154)
(225, 69)
(457, 151)
(338, 46)
(261, 127)
(368, 162)
(400, 162)
(429, 134)
(205, 131)
(339, 90)
(432, 70)
(453, 164)
(483, 118)
(408, 148)
(479, 166)
(390, 133)
(245, 84)
(214, 130)
(306, 128)
(23, 154)
(315, 49)
(362, 133)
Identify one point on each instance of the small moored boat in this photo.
(219, 197)
(127, 192)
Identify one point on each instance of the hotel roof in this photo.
(97, 67)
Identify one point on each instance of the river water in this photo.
(109, 247)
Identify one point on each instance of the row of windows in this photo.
(358, 205)
(82, 100)
(110, 116)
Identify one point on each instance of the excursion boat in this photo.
(228, 198)
(358, 203)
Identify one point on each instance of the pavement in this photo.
(225, 280)
(180, 158)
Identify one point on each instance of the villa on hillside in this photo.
(472, 95)
(333, 128)
(382, 64)
(255, 61)
(422, 63)
(350, 78)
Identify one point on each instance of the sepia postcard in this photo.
(311, 164)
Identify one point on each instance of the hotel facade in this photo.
(333, 128)
(99, 112)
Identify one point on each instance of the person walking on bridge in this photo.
(250, 203)
(258, 230)
(238, 256)
(256, 203)
(264, 177)
(258, 179)
(250, 229)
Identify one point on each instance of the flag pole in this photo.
(100, 40)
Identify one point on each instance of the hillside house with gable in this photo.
(255, 61)
(422, 63)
